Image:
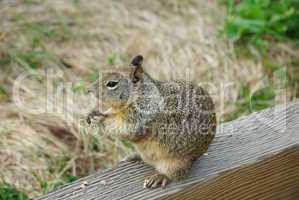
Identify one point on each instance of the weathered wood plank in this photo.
(276, 177)
(255, 156)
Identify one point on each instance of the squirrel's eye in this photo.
(111, 85)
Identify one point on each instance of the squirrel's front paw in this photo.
(94, 116)
(155, 181)
(133, 158)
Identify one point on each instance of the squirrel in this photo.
(170, 123)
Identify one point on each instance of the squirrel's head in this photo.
(116, 87)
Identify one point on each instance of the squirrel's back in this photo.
(178, 115)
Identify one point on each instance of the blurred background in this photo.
(244, 52)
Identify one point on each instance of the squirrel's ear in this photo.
(137, 61)
(137, 68)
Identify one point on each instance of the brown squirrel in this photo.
(170, 123)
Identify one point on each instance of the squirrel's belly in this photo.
(150, 151)
(153, 154)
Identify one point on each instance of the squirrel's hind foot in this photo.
(155, 181)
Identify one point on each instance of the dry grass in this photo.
(177, 39)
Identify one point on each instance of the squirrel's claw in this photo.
(155, 181)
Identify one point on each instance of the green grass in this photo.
(58, 164)
(112, 59)
(80, 87)
(2, 90)
(38, 33)
(5, 60)
(8, 192)
(249, 101)
(255, 27)
(256, 22)
(29, 60)
(47, 186)
(3, 93)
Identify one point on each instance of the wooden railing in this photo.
(254, 157)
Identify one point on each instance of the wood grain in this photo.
(254, 157)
